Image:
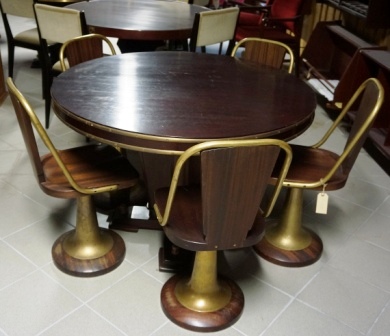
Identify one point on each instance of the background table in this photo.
(140, 19)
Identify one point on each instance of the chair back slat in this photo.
(58, 24)
(83, 48)
(211, 27)
(22, 8)
(233, 184)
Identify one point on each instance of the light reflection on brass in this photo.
(203, 292)
(289, 234)
(87, 242)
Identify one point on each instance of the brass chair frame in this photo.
(288, 243)
(83, 48)
(87, 250)
(263, 51)
(206, 302)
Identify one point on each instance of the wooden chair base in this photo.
(89, 267)
(200, 321)
(297, 258)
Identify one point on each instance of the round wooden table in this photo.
(140, 19)
(163, 102)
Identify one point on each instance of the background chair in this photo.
(222, 213)
(281, 20)
(288, 243)
(266, 52)
(57, 25)
(83, 48)
(77, 173)
(213, 27)
(28, 39)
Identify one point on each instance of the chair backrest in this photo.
(83, 48)
(287, 9)
(27, 119)
(23, 8)
(59, 24)
(267, 52)
(369, 97)
(211, 27)
(234, 177)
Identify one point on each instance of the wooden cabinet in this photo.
(328, 57)
(341, 61)
(375, 12)
(376, 63)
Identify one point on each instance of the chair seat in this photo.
(185, 223)
(30, 36)
(311, 164)
(90, 166)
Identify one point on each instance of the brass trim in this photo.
(48, 143)
(195, 150)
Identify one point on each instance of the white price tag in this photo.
(322, 203)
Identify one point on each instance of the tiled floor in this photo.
(347, 292)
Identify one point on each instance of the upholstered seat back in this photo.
(23, 8)
(287, 9)
(58, 24)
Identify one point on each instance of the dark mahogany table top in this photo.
(140, 19)
(167, 101)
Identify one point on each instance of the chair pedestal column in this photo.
(287, 243)
(203, 302)
(88, 250)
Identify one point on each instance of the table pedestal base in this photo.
(201, 321)
(296, 258)
(89, 267)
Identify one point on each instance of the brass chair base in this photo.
(291, 258)
(88, 267)
(201, 321)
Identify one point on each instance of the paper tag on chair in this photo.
(322, 203)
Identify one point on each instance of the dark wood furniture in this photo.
(220, 213)
(376, 63)
(328, 56)
(374, 12)
(140, 19)
(287, 243)
(77, 173)
(164, 102)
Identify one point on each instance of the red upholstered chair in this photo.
(279, 20)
